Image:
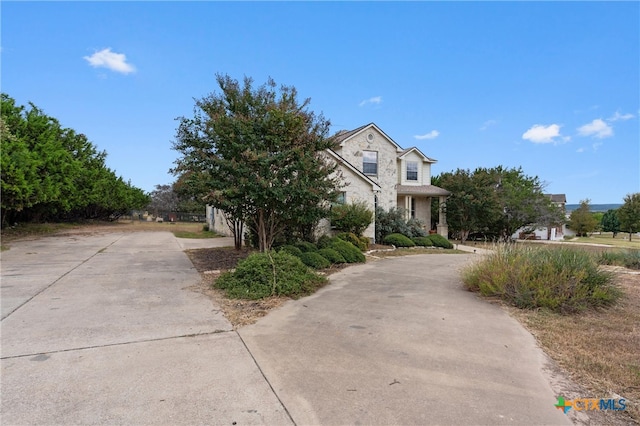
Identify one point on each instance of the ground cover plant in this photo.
(269, 274)
(559, 279)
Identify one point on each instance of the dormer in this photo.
(414, 168)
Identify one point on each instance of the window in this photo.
(370, 162)
(412, 202)
(341, 198)
(412, 170)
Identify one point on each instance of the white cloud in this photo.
(620, 117)
(107, 59)
(596, 145)
(376, 100)
(597, 128)
(488, 123)
(539, 133)
(580, 150)
(431, 135)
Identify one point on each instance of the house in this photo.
(380, 173)
(547, 233)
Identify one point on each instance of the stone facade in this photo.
(378, 172)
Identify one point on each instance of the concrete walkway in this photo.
(105, 330)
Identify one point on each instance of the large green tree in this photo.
(629, 214)
(258, 155)
(54, 173)
(495, 202)
(581, 221)
(610, 222)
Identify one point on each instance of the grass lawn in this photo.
(621, 240)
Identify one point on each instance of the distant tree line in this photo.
(624, 219)
(51, 173)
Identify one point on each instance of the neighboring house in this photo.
(544, 233)
(380, 173)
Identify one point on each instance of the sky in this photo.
(551, 87)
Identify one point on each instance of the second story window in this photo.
(370, 162)
(412, 170)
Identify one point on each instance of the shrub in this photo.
(398, 240)
(350, 252)
(355, 240)
(416, 228)
(306, 246)
(354, 217)
(560, 279)
(394, 222)
(291, 250)
(364, 243)
(422, 241)
(267, 274)
(331, 255)
(440, 241)
(629, 259)
(324, 241)
(314, 260)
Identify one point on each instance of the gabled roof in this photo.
(344, 135)
(416, 150)
(557, 198)
(348, 165)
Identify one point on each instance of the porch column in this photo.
(443, 228)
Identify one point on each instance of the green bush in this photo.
(361, 243)
(354, 217)
(351, 253)
(422, 241)
(314, 260)
(324, 241)
(440, 241)
(394, 222)
(331, 255)
(291, 250)
(559, 279)
(306, 246)
(364, 243)
(398, 240)
(268, 274)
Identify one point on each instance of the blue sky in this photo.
(552, 87)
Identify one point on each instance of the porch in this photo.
(416, 202)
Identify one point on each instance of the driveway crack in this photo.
(132, 342)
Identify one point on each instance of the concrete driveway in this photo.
(103, 329)
(398, 341)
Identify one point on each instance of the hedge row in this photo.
(434, 240)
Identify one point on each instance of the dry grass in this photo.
(600, 350)
(36, 230)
